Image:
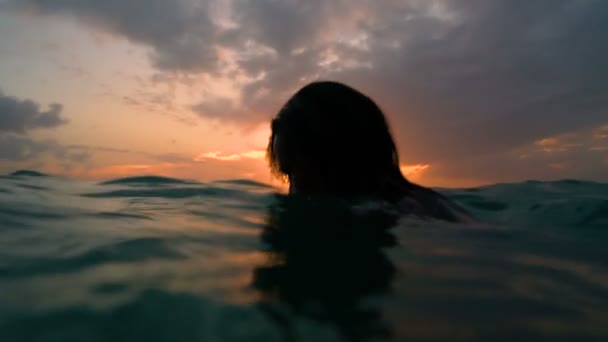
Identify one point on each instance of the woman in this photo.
(331, 140)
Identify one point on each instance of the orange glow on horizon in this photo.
(125, 170)
(414, 170)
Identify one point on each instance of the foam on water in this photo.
(160, 259)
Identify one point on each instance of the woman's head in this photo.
(331, 139)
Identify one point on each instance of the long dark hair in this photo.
(342, 137)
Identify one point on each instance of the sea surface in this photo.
(158, 259)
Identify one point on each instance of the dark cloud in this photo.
(464, 78)
(489, 75)
(500, 73)
(19, 116)
(16, 148)
(288, 24)
(583, 154)
(576, 163)
(179, 32)
(19, 148)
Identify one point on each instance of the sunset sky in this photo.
(476, 91)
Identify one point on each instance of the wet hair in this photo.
(331, 139)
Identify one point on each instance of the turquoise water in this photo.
(159, 259)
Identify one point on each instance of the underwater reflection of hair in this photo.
(325, 260)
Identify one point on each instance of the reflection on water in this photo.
(159, 259)
(324, 261)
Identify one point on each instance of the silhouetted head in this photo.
(331, 139)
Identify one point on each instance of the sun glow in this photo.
(412, 170)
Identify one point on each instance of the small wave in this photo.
(126, 251)
(598, 216)
(9, 223)
(110, 288)
(573, 182)
(32, 187)
(557, 182)
(245, 182)
(34, 212)
(161, 315)
(168, 193)
(113, 215)
(479, 202)
(146, 180)
(28, 173)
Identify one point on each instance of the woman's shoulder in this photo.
(428, 203)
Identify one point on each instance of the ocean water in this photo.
(159, 259)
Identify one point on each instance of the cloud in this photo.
(18, 148)
(466, 84)
(562, 143)
(230, 157)
(500, 73)
(179, 32)
(575, 155)
(20, 116)
(468, 65)
(216, 108)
